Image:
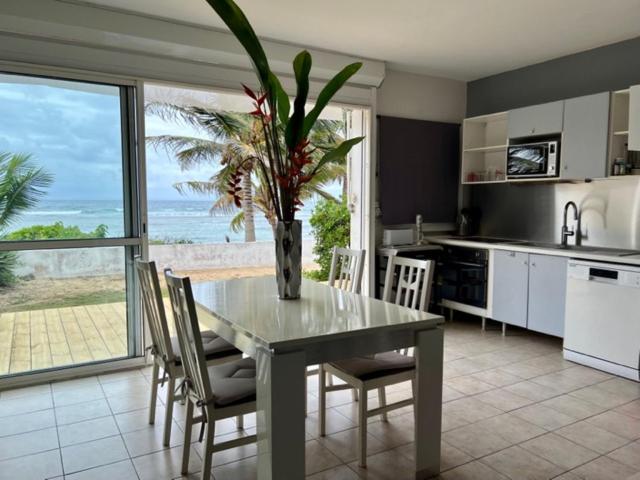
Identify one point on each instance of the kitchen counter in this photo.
(603, 254)
(399, 249)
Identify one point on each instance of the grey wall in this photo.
(613, 67)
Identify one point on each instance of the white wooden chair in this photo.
(165, 349)
(219, 392)
(345, 273)
(412, 289)
(346, 269)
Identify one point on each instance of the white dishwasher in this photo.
(602, 317)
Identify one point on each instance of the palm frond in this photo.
(22, 184)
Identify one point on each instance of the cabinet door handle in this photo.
(525, 262)
(533, 264)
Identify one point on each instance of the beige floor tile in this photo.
(32, 467)
(599, 396)
(17, 406)
(74, 384)
(28, 443)
(618, 423)
(385, 465)
(345, 444)
(629, 455)
(497, 377)
(473, 471)
(232, 454)
(139, 420)
(166, 465)
(82, 412)
(397, 431)
(25, 392)
(573, 407)
(534, 391)
(470, 409)
(469, 385)
(451, 457)
(475, 440)
(503, 399)
(511, 428)
(335, 422)
(592, 437)
(27, 422)
(559, 451)
(128, 403)
(543, 416)
(246, 469)
(518, 463)
(127, 386)
(632, 409)
(622, 386)
(116, 376)
(604, 468)
(77, 395)
(319, 458)
(338, 473)
(449, 394)
(86, 431)
(143, 442)
(93, 454)
(123, 470)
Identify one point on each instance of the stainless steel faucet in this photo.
(566, 231)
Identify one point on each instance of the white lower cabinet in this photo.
(510, 287)
(529, 291)
(547, 294)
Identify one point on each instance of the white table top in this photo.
(251, 307)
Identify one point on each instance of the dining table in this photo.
(324, 325)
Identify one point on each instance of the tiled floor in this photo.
(513, 408)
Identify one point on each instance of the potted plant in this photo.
(284, 153)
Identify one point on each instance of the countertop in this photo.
(587, 252)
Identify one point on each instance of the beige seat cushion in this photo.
(233, 382)
(375, 366)
(214, 346)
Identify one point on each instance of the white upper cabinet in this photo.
(535, 120)
(584, 141)
(634, 118)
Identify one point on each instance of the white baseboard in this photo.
(614, 368)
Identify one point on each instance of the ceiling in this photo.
(462, 39)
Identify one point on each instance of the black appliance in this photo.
(461, 276)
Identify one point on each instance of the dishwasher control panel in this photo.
(622, 275)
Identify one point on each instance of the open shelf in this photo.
(619, 127)
(484, 149)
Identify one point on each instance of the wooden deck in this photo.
(56, 337)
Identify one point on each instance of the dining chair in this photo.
(346, 269)
(165, 348)
(218, 391)
(410, 287)
(345, 273)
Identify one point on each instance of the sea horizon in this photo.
(170, 221)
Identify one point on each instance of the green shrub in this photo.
(7, 263)
(57, 231)
(330, 225)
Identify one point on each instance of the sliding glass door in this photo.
(69, 223)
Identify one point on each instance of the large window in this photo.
(69, 225)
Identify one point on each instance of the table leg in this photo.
(428, 410)
(280, 415)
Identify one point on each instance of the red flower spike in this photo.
(250, 93)
(236, 200)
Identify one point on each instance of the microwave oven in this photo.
(533, 160)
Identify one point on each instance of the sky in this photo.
(72, 130)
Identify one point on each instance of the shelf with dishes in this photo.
(484, 151)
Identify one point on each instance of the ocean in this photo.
(169, 220)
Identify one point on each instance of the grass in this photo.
(91, 298)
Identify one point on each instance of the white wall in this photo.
(421, 97)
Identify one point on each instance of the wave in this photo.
(52, 212)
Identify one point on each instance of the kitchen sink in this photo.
(616, 252)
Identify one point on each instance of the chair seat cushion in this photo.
(375, 366)
(214, 346)
(233, 382)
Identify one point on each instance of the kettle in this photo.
(467, 222)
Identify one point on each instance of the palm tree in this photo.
(230, 145)
(21, 186)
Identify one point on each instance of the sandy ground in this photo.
(43, 293)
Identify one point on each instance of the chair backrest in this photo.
(346, 270)
(189, 338)
(412, 282)
(154, 308)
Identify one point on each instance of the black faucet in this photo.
(566, 232)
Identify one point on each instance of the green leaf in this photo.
(282, 99)
(301, 69)
(337, 153)
(327, 93)
(239, 25)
